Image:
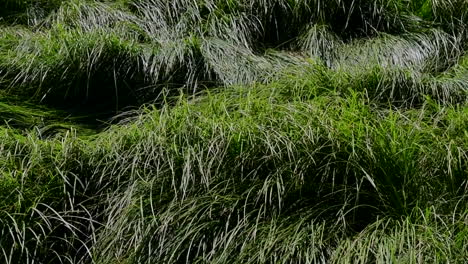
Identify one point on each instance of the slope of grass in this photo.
(237, 169)
(194, 181)
(221, 131)
(190, 43)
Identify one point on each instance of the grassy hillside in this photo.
(221, 131)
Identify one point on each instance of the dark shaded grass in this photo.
(19, 114)
(26, 12)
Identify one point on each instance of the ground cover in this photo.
(220, 131)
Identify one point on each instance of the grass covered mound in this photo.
(222, 131)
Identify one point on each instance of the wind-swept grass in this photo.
(41, 218)
(288, 171)
(139, 49)
(241, 177)
(303, 131)
(15, 113)
(233, 168)
(427, 237)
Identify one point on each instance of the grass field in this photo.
(233, 131)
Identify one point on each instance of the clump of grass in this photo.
(42, 216)
(235, 168)
(251, 174)
(152, 46)
(426, 236)
(451, 15)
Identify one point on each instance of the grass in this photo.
(221, 131)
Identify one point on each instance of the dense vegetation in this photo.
(233, 131)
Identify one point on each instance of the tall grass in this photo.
(265, 131)
(241, 177)
(93, 48)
